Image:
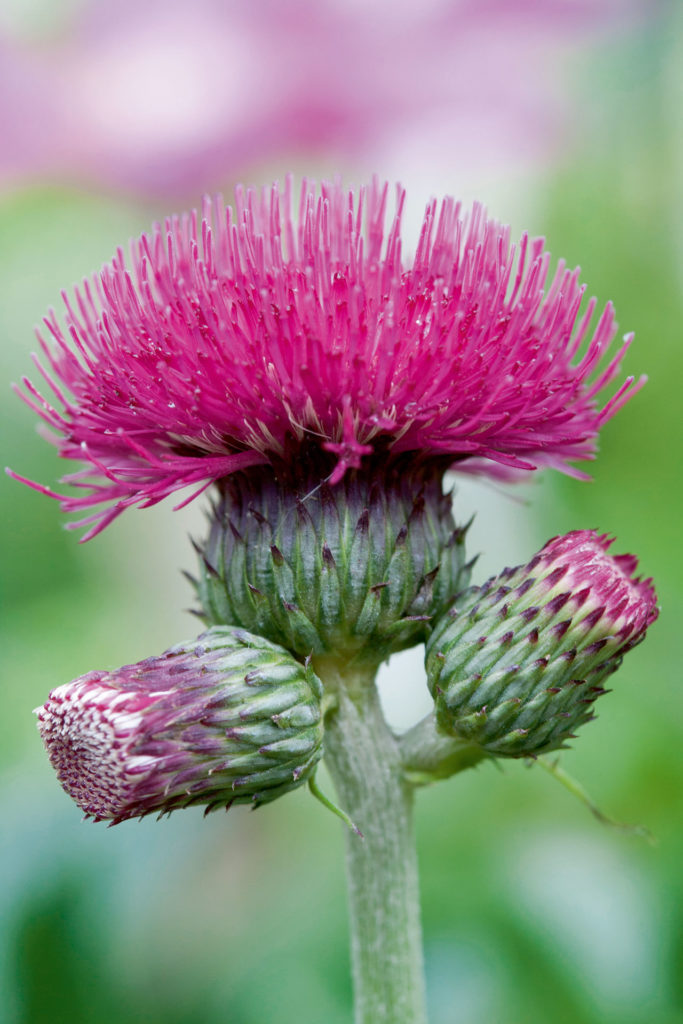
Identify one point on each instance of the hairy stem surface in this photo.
(386, 939)
(429, 754)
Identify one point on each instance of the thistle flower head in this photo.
(228, 718)
(253, 336)
(518, 663)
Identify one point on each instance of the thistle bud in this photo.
(517, 664)
(227, 718)
(353, 571)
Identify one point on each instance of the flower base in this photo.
(356, 570)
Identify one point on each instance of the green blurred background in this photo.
(532, 911)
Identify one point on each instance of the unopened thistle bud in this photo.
(517, 664)
(354, 570)
(227, 718)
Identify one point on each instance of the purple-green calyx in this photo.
(516, 665)
(227, 718)
(354, 571)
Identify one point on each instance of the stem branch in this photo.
(429, 754)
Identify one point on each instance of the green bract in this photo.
(353, 571)
(517, 664)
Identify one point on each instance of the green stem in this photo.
(384, 909)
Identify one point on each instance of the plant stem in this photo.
(386, 940)
(429, 755)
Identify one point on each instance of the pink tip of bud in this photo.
(89, 729)
(630, 602)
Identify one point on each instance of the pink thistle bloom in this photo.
(228, 718)
(245, 337)
(518, 663)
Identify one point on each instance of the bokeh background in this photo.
(564, 117)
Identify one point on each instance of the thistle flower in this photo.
(227, 718)
(255, 337)
(518, 663)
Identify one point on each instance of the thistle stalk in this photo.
(364, 761)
